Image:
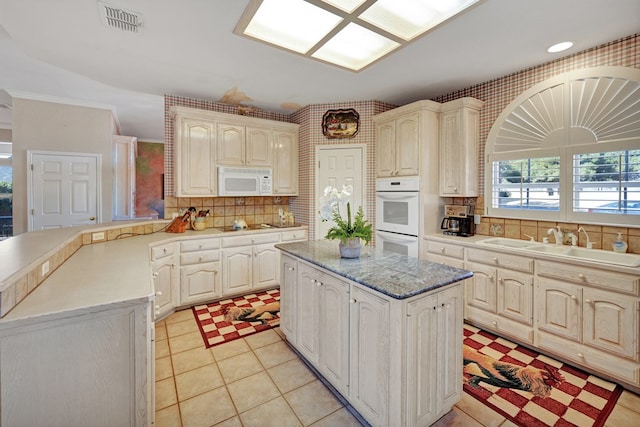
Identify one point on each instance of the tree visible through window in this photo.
(531, 183)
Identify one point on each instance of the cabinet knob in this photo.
(159, 293)
(490, 277)
(290, 268)
(581, 356)
(588, 301)
(573, 297)
(495, 260)
(442, 250)
(501, 281)
(581, 276)
(157, 312)
(494, 323)
(352, 301)
(318, 283)
(157, 308)
(155, 274)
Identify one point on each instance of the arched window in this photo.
(568, 149)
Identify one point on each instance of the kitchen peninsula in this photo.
(384, 330)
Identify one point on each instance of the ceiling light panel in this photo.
(345, 5)
(408, 19)
(292, 24)
(355, 47)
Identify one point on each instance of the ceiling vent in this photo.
(121, 19)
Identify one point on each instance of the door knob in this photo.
(92, 218)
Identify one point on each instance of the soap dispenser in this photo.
(619, 245)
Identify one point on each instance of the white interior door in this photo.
(63, 190)
(339, 166)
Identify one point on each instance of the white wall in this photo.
(49, 126)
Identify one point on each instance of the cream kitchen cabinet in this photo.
(288, 296)
(398, 362)
(499, 296)
(123, 151)
(200, 271)
(581, 321)
(443, 253)
(195, 156)
(285, 162)
(249, 262)
(434, 356)
(165, 279)
(403, 137)
(459, 133)
(322, 308)
(370, 355)
(240, 145)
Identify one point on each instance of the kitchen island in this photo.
(384, 330)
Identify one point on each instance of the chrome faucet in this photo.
(557, 234)
(589, 244)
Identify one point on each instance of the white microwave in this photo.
(239, 181)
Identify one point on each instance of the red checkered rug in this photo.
(531, 389)
(234, 318)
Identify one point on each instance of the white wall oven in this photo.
(398, 215)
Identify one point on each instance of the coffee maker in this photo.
(458, 221)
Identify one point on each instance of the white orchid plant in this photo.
(343, 229)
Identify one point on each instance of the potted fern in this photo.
(349, 232)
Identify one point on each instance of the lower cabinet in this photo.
(433, 324)
(249, 262)
(200, 282)
(165, 280)
(398, 362)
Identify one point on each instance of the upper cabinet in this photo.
(401, 135)
(459, 128)
(195, 156)
(244, 146)
(285, 162)
(204, 140)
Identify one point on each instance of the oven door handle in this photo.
(396, 196)
(397, 238)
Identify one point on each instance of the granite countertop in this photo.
(395, 275)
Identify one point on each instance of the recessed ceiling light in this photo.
(351, 34)
(559, 47)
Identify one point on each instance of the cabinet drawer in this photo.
(627, 283)
(458, 263)
(445, 249)
(498, 259)
(199, 257)
(288, 236)
(250, 239)
(162, 251)
(199, 245)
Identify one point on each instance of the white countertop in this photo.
(99, 274)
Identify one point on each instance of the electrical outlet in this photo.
(96, 237)
(45, 268)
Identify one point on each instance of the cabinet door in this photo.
(450, 135)
(481, 287)
(422, 350)
(258, 147)
(285, 163)
(237, 270)
(195, 150)
(560, 308)
(611, 322)
(369, 355)
(334, 332)
(385, 149)
(288, 300)
(407, 145)
(231, 144)
(200, 283)
(308, 313)
(450, 315)
(164, 284)
(515, 296)
(265, 266)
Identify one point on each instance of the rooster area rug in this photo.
(531, 389)
(229, 319)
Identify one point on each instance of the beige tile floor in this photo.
(259, 381)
